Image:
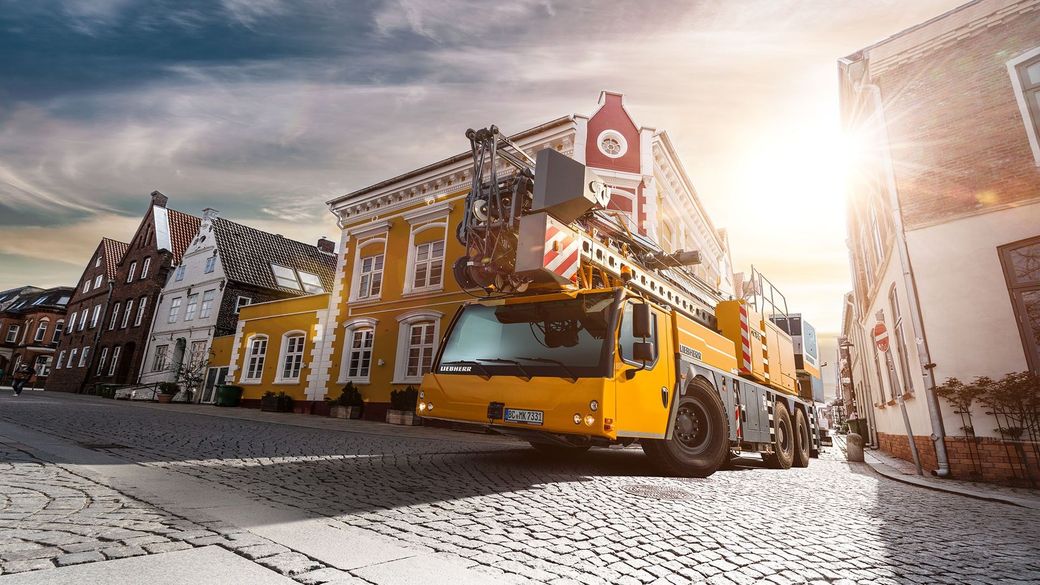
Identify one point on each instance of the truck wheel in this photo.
(802, 442)
(783, 441)
(699, 444)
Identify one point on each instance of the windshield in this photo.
(556, 338)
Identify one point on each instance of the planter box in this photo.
(338, 411)
(403, 417)
(276, 404)
(164, 398)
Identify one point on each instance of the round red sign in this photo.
(881, 337)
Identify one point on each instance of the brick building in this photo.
(111, 311)
(32, 327)
(944, 230)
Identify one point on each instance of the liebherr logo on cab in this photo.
(455, 369)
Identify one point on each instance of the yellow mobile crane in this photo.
(587, 334)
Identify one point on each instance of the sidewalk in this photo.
(906, 472)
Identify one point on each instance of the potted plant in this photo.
(271, 402)
(402, 407)
(349, 403)
(167, 390)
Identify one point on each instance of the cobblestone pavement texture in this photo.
(603, 517)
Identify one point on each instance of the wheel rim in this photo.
(783, 438)
(692, 427)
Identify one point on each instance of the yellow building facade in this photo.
(394, 293)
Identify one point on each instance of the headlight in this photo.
(422, 406)
(589, 420)
(594, 406)
(577, 418)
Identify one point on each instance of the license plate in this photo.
(527, 417)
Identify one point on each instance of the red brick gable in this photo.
(612, 116)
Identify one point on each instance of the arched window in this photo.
(359, 338)
(41, 330)
(291, 353)
(255, 357)
(417, 336)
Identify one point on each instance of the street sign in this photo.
(881, 337)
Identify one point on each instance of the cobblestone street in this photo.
(488, 504)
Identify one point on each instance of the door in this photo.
(643, 401)
(214, 377)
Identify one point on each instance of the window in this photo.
(95, 316)
(72, 358)
(43, 366)
(292, 357)
(211, 263)
(901, 351)
(1021, 263)
(359, 360)
(193, 303)
(115, 361)
(83, 319)
(97, 262)
(97, 282)
(1025, 78)
(241, 302)
(132, 272)
(175, 309)
(420, 349)
(161, 358)
(285, 277)
(101, 361)
(197, 357)
(178, 274)
(370, 279)
(41, 331)
(61, 360)
(83, 357)
(115, 317)
(86, 286)
(39, 301)
(12, 333)
(140, 311)
(429, 262)
(255, 359)
(311, 282)
(126, 314)
(207, 304)
(72, 321)
(64, 300)
(144, 267)
(59, 328)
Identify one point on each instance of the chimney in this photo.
(326, 245)
(208, 215)
(158, 199)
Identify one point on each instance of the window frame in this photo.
(1016, 288)
(72, 358)
(141, 306)
(12, 333)
(239, 305)
(84, 357)
(58, 331)
(160, 358)
(211, 264)
(427, 265)
(41, 330)
(284, 355)
(1029, 110)
(102, 357)
(255, 360)
(175, 310)
(97, 282)
(127, 311)
(132, 272)
(278, 279)
(206, 306)
(114, 362)
(147, 264)
(404, 327)
(191, 307)
(60, 360)
(115, 315)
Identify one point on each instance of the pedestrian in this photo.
(22, 375)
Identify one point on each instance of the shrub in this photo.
(404, 399)
(169, 388)
(350, 396)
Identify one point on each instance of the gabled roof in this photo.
(183, 228)
(247, 253)
(38, 300)
(114, 251)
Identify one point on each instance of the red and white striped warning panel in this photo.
(547, 251)
(745, 341)
(561, 251)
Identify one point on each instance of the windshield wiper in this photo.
(526, 376)
(573, 378)
(475, 364)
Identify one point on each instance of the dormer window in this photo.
(285, 277)
(311, 282)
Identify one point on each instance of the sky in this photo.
(265, 109)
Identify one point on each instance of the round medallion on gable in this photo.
(612, 144)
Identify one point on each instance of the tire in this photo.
(558, 450)
(783, 442)
(699, 444)
(802, 440)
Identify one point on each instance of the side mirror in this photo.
(641, 321)
(643, 351)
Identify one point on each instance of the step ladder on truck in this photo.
(586, 333)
